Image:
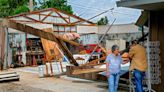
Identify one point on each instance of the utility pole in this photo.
(31, 5)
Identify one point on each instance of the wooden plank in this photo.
(32, 19)
(6, 76)
(94, 62)
(10, 78)
(82, 71)
(56, 24)
(4, 73)
(74, 16)
(52, 16)
(62, 17)
(67, 52)
(47, 16)
(160, 38)
(52, 9)
(36, 32)
(157, 34)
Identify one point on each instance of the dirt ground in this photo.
(13, 87)
(30, 82)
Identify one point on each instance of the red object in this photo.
(45, 58)
(90, 47)
(34, 61)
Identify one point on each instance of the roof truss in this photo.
(51, 16)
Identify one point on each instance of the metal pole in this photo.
(102, 38)
(148, 57)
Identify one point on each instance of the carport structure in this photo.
(34, 23)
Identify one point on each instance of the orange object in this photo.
(125, 56)
(50, 48)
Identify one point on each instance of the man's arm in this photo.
(107, 69)
(107, 65)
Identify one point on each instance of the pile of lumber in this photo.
(9, 76)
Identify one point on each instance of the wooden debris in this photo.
(94, 62)
(81, 71)
(46, 35)
(36, 32)
(8, 76)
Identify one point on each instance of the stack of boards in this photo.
(9, 76)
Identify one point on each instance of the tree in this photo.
(59, 4)
(103, 21)
(12, 7)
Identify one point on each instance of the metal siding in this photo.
(122, 28)
(89, 39)
(87, 29)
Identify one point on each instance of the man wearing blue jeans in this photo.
(138, 57)
(113, 66)
(138, 76)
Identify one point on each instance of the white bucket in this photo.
(41, 69)
(49, 68)
(80, 62)
(56, 68)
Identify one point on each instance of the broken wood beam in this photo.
(43, 34)
(94, 62)
(67, 52)
(35, 31)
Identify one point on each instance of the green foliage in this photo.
(59, 4)
(103, 21)
(12, 7)
(21, 9)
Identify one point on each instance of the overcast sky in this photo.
(89, 8)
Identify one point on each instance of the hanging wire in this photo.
(96, 9)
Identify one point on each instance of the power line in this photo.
(87, 7)
(100, 13)
(95, 9)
